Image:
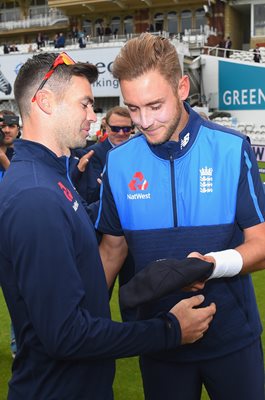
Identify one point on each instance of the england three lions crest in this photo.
(206, 180)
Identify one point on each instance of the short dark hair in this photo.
(33, 71)
(9, 112)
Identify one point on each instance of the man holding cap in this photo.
(187, 187)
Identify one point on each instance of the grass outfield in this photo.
(127, 383)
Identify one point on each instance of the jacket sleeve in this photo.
(250, 197)
(39, 241)
(108, 220)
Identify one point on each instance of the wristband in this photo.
(228, 263)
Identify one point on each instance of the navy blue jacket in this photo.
(88, 187)
(197, 194)
(54, 285)
(100, 154)
(86, 182)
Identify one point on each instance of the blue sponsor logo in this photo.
(241, 87)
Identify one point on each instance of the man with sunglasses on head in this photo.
(50, 268)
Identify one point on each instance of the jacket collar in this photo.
(33, 151)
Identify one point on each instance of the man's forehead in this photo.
(117, 116)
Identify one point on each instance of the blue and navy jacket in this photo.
(55, 288)
(198, 194)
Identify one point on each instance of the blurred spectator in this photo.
(5, 49)
(82, 40)
(74, 33)
(13, 47)
(257, 55)
(108, 31)
(100, 30)
(101, 133)
(228, 45)
(151, 28)
(40, 41)
(9, 124)
(60, 41)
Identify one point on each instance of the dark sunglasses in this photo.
(125, 129)
(62, 58)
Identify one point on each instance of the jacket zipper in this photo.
(67, 160)
(173, 186)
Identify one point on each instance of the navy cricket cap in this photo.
(161, 278)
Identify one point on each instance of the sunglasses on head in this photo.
(125, 129)
(62, 58)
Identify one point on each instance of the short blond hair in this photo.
(148, 52)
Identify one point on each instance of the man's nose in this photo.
(121, 132)
(91, 115)
(146, 119)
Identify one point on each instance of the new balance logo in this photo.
(185, 140)
(75, 205)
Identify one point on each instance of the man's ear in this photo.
(44, 100)
(184, 87)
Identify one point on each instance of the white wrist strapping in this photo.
(227, 263)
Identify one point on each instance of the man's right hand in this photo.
(4, 161)
(84, 160)
(194, 322)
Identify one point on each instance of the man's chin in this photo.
(80, 145)
(155, 141)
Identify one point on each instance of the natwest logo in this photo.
(138, 182)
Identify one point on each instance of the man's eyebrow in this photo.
(151, 103)
(89, 99)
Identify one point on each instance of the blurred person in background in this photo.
(10, 131)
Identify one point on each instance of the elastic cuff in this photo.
(173, 330)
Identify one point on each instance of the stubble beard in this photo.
(171, 130)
